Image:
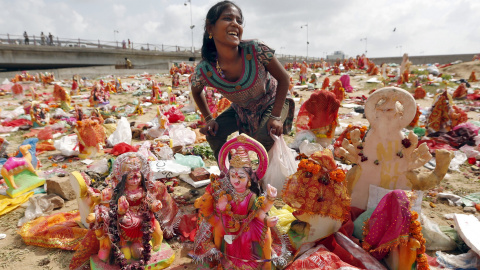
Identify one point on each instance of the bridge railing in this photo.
(36, 40)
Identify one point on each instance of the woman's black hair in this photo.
(209, 51)
(120, 188)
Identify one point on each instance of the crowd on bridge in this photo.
(44, 40)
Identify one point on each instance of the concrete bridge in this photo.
(28, 57)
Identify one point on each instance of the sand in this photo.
(14, 254)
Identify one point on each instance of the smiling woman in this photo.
(248, 74)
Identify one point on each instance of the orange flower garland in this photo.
(338, 175)
(416, 232)
(309, 166)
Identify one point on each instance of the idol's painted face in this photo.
(133, 179)
(228, 29)
(239, 178)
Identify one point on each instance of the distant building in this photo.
(337, 55)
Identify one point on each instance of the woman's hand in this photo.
(156, 206)
(210, 128)
(222, 203)
(272, 221)
(271, 191)
(275, 127)
(123, 205)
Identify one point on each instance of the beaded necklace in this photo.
(219, 69)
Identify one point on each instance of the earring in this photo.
(249, 184)
(210, 36)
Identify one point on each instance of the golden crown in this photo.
(240, 159)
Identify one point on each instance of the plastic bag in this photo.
(144, 150)
(468, 260)
(301, 136)
(181, 135)
(164, 152)
(67, 145)
(190, 161)
(459, 159)
(282, 164)
(174, 115)
(37, 207)
(436, 239)
(167, 169)
(309, 148)
(123, 133)
(99, 166)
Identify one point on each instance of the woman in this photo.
(242, 71)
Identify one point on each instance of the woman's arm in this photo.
(276, 69)
(199, 97)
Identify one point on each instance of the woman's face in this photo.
(134, 178)
(239, 178)
(228, 29)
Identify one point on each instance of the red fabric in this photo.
(434, 145)
(44, 146)
(17, 123)
(188, 227)
(174, 115)
(321, 259)
(45, 134)
(121, 148)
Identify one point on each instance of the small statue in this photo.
(303, 73)
(17, 90)
(472, 77)
(326, 83)
(444, 115)
(59, 93)
(38, 114)
(124, 218)
(212, 100)
(91, 138)
(20, 172)
(318, 193)
(419, 93)
(240, 228)
(339, 90)
(460, 92)
(176, 80)
(98, 96)
(156, 93)
(319, 114)
(386, 156)
(393, 232)
(75, 89)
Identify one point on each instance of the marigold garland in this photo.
(338, 175)
(416, 232)
(309, 166)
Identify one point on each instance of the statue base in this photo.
(26, 181)
(160, 259)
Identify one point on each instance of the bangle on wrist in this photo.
(209, 116)
(213, 119)
(270, 198)
(278, 118)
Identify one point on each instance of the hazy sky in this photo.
(390, 27)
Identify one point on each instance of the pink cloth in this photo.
(345, 79)
(14, 162)
(246, 245)
(389, 224)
